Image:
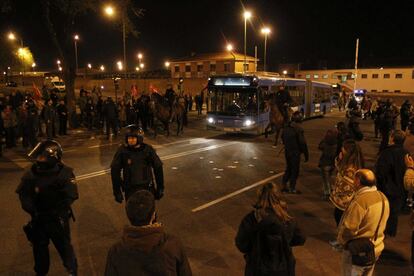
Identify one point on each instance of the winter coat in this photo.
(110, 111)
(362, 217)
(9, 118)
(146, 251)
(389, 170)
(329, 150)
(246, 240)
(344, 188)
(49, 113)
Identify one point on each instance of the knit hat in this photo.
(140, 207)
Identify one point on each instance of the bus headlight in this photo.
(210, 120)
(248, 122)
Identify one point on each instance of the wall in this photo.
(381, 84)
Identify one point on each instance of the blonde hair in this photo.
(269, 198)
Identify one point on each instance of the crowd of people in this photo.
(25, 118)
(366, 201)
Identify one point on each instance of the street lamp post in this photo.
(11, 36)
(76, 38)
(265, 31)
(110, 11)
(247, 15)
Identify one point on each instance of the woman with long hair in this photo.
(266, 235)
(349, 160)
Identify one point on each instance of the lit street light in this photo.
(102, 68)
(265, 31)
(110, 12)
(167, 64)
(89, 66)
(76, 38)
(58, 62)
(60, 68)
(246, 15)
(119, 63)
(141, 65)
(285, 73)
(229, 48)
(137, 68)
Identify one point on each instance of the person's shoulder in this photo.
(28, 174)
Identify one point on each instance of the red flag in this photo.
(36, 93)
(152, 88)
(134, 90)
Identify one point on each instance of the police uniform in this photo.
(295, 144)
(46, 192)
(132, 170)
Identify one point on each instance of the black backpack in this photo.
(271, 253)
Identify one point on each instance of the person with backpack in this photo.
(266, 235)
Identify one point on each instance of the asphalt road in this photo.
(211, 181)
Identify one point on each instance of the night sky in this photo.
(313, 33)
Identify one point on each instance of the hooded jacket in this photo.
(147, 251)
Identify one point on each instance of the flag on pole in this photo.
(134, 90)
(36, 93)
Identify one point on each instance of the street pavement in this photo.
(211, 180)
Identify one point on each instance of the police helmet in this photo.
(50, 149)
(134, 131)
(297, 117)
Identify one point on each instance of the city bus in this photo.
(236, 102)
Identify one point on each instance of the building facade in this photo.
(392, 80)
(195, 70)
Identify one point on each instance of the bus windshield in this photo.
(233, 101)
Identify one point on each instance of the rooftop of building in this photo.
(215, 56)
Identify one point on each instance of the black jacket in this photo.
(109, 110)
(62, 111)
(136, 166)
(147, 251)
(390, 169)
(329, 152)
(49, 113)
(272, 225)
(48, 193)
(282, 97)
(294, 140)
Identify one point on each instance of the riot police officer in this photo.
(47, 191)
(136, 162)
(295, 144)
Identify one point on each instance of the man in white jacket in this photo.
(367, 212)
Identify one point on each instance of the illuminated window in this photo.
(375, 76)
(398, 76)
(325, 76)
(316, 76)
(307, 76)
(364, 76)
(386, 76)
(188, 68)
(199, 68)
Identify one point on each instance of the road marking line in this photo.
(167, 157)
(214, 202)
